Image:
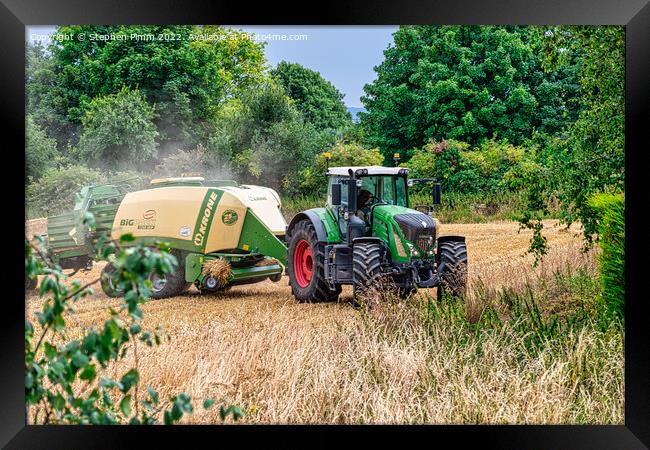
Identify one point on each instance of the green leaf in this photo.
(153, 394)
(79, 359)
(128, 237)
(50, 350)
(129, 379)
(125, 406)
(58, 402)
(177, 411)
(89, 219)
(89, 373)
(207, 404)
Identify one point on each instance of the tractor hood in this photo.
(412, 226)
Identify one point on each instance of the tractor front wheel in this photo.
(452, 266)
(366, 267)
(307, 266)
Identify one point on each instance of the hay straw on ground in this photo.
(219, 269)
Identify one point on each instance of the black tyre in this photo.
(218, 290)
(306, 267)
(30, 284)
(452, 266)
(170, 284)
(366, 267)
(106, 281)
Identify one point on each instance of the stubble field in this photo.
(284, 362)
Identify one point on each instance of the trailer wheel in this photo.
(366, 267)
(452, 266)
(307, 266)
(170, 284)
(106, 281)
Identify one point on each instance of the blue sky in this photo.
(344, 55)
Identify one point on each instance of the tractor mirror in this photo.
(436, 193)
(336, 194)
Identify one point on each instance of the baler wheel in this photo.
(106, 281)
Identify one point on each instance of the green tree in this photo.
(313, 178)
(40, 151)
(467, 83)
(265, 138)
(590, 157)
(118, 131)
(185, 77)
(318, 99)
(47, 98)
(484, 168)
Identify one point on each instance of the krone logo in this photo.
(203, 225)
(229, 217)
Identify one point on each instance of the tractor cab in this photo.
(355, 193)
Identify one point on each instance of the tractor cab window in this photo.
(344, 189)
(386, 189)
(400, 190)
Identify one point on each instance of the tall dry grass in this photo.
(482, 361)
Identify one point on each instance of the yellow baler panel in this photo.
(227, 224)
(166, 212)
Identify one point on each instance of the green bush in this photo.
(54, 192)
(118, 130)
(459, 168)
(40, 151)
(610, 211)
(341, 154)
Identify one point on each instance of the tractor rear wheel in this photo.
(452, 266)
(307, 266)
(366, 267)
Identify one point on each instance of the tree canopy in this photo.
(467, 83)
(318, 99)
(186, 79)
(118, 131)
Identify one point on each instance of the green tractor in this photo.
(367, 236)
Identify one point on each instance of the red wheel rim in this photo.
(303, 263)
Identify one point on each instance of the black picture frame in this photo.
(634, 14)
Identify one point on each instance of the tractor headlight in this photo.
(414, 251)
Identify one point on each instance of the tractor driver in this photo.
(363, 204)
